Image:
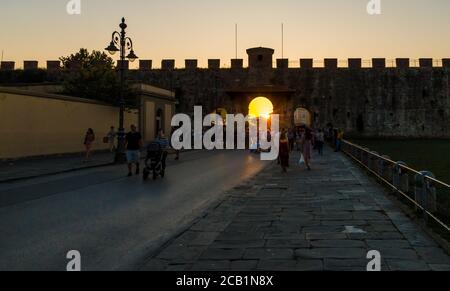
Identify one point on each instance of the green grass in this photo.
(421, 155)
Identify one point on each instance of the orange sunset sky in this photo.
(201, 29)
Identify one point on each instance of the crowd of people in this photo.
(133, 146)
(305, 140)
(302, 139)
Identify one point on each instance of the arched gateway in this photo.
(260, 107)
(259, 82)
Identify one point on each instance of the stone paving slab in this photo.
(324, 220)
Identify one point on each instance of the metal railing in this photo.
(429, 196)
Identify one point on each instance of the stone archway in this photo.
(303, 117)
(280, 98)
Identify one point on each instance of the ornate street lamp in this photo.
(123, 44)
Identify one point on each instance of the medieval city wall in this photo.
(378, 101)
(389, 102)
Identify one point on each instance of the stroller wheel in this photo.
(155, 175)
(163, 173)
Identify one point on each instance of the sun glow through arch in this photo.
(260, 107)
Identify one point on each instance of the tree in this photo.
(93, 76)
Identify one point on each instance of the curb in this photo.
(11, 180)
(54, 173)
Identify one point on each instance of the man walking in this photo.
(133, 145)
(339, 140)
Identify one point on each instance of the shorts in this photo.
(133, 157)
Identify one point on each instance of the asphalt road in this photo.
(112, 220)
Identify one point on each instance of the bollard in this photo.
(355, 152)
(400, 177)
(425, 191)
(373, 161)
(365, 157)
(370, 160)
(385, 168)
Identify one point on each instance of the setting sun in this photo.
(261, 107)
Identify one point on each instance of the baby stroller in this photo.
(154, 161)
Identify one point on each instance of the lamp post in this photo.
(123, 44)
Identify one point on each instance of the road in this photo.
(112, 220)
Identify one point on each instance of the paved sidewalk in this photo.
(41, 166)
(327, 219)
(49, 165)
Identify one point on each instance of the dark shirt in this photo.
(284, 148)
(133, 141)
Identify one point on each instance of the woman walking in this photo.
(284, 151)
(298, 140)
(88, 142)
(307, 147)
(111, 138)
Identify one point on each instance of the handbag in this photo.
(302, 160)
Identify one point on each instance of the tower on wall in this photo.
(260, 66)
(260, 58)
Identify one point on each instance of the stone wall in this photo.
(38, 124)
(402, 101)
(35, 122)
(387, 102)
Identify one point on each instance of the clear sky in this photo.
(202, 29)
